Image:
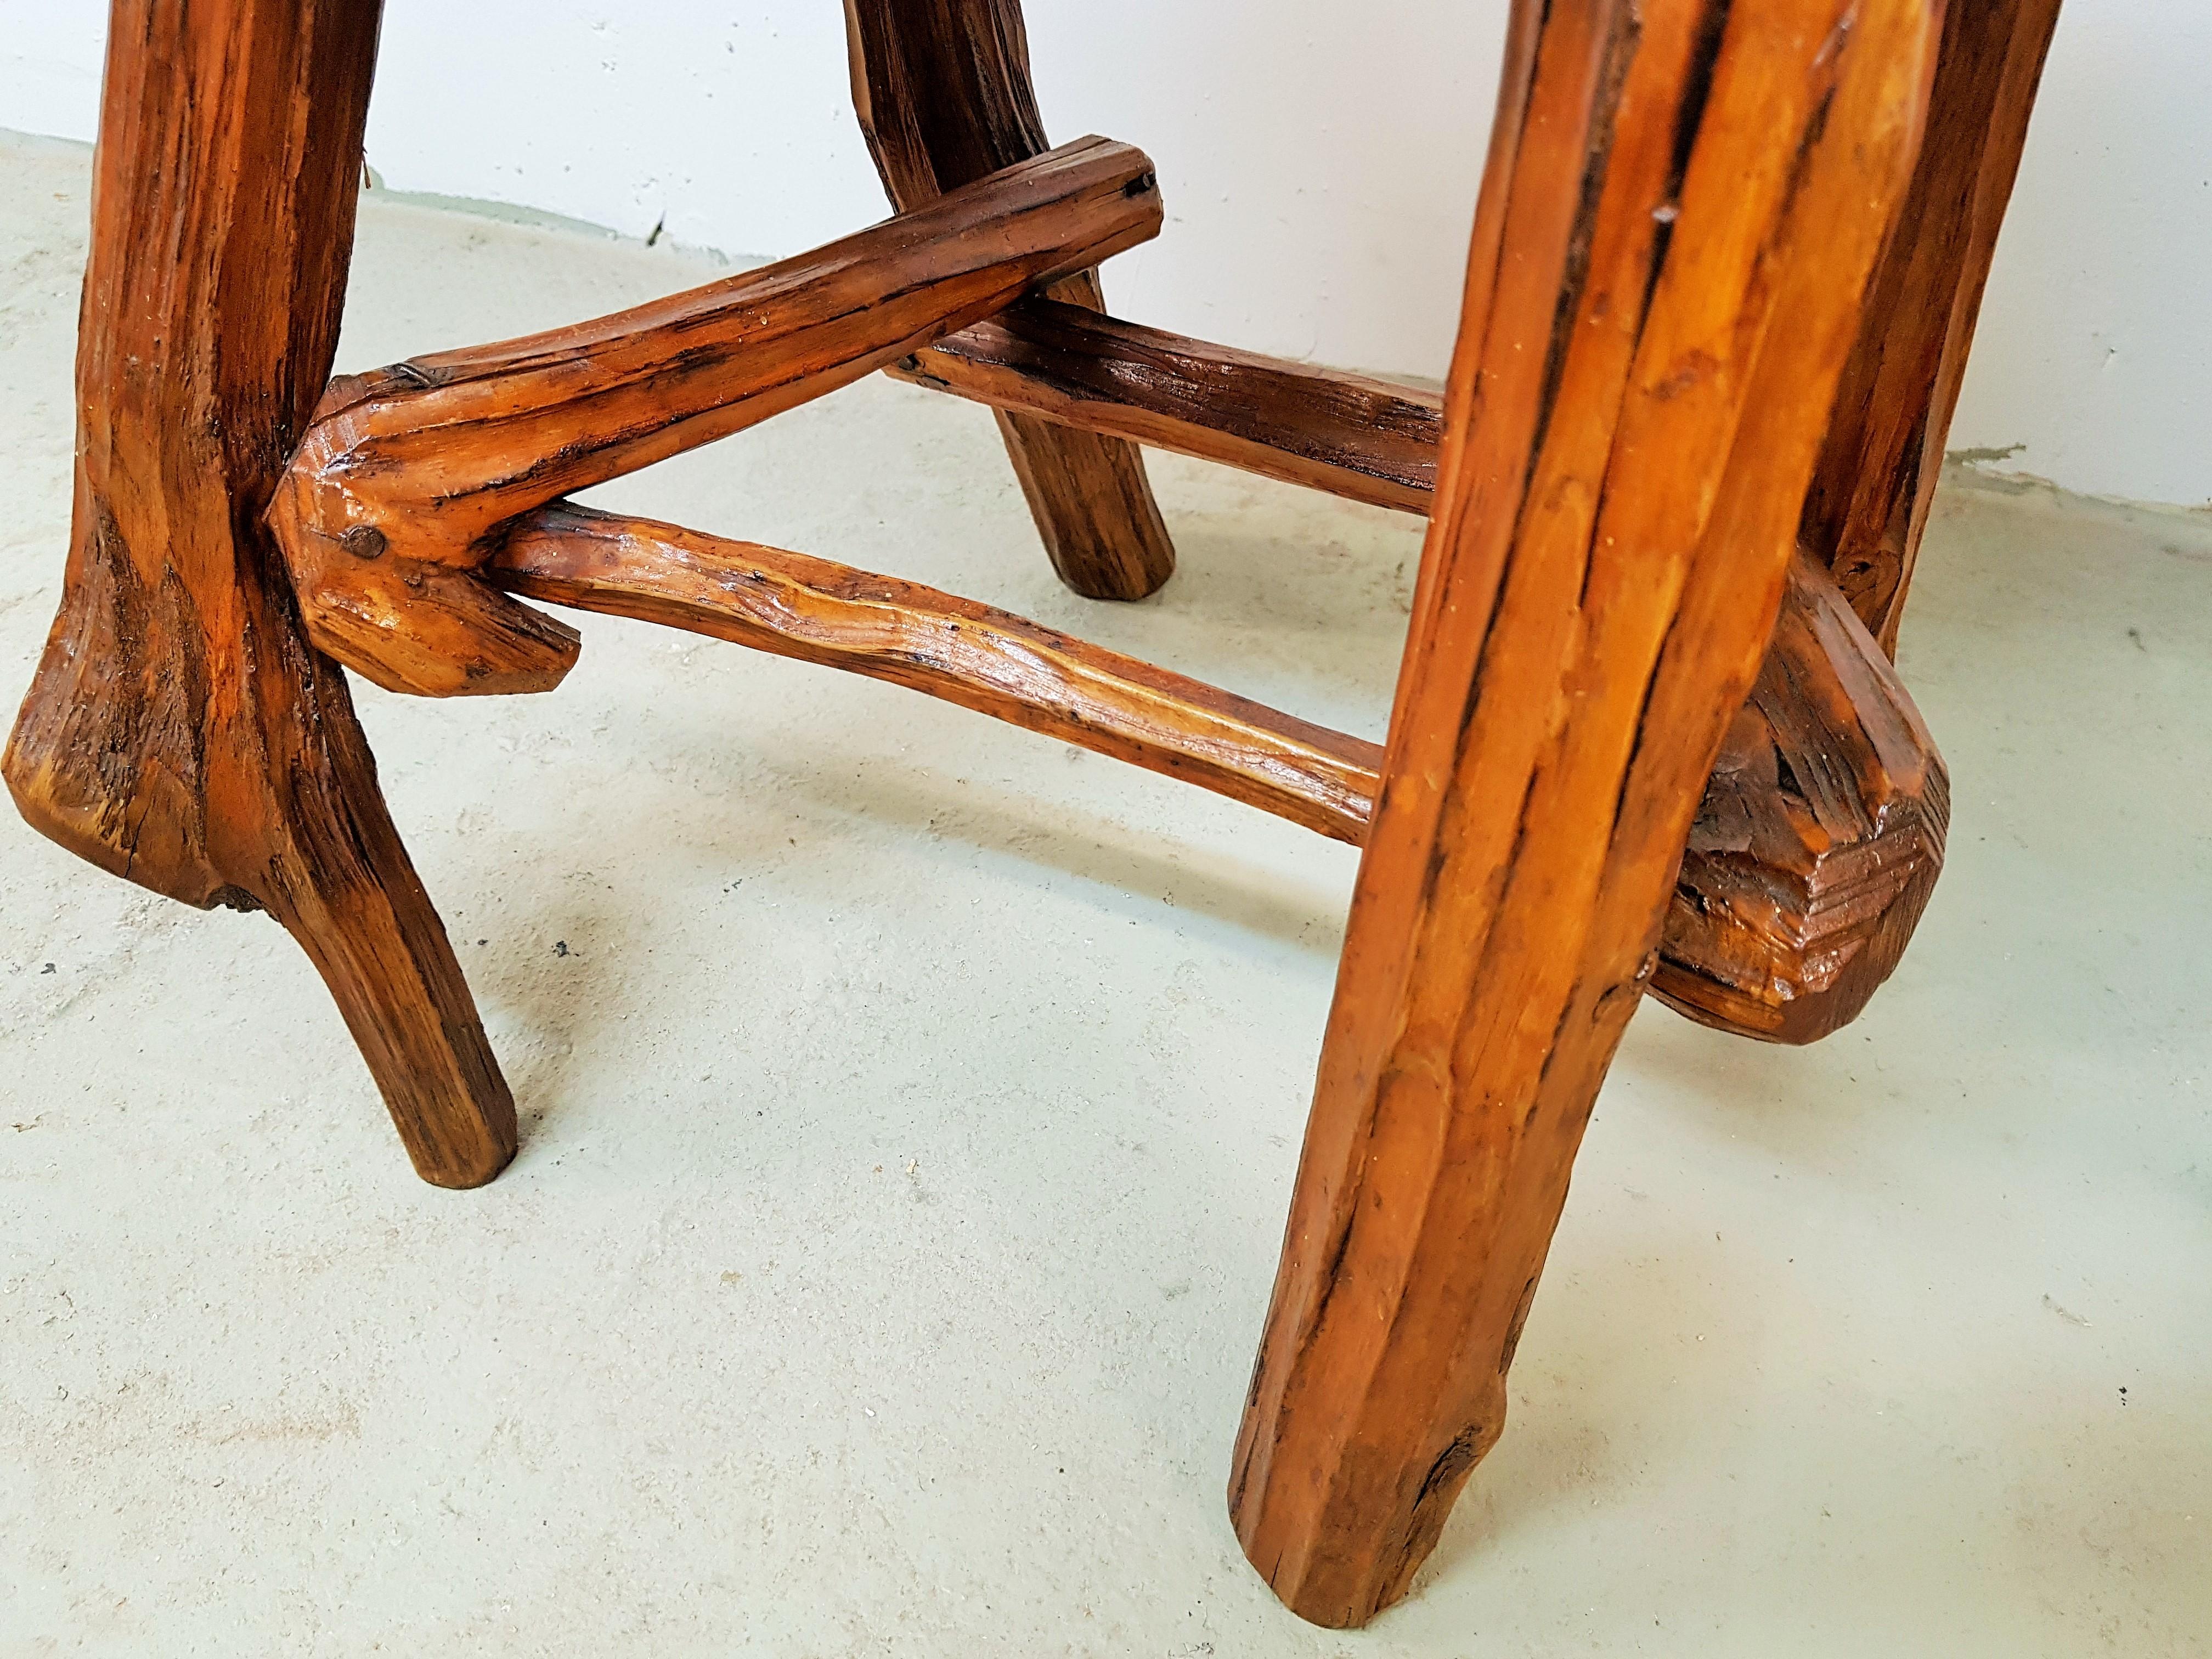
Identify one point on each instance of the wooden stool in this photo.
(1715, 318)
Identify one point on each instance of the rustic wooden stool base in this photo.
(1646, 735)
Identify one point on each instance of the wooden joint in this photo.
(943, 94)
(1821, 831)
(407, 480)
(1819, 837)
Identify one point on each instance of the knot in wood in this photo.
(363, 541)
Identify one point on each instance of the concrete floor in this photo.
(911, 1105)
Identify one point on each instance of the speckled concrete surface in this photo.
(911, 1104)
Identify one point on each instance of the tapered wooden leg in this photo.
(942, 88)
(1683, 201)
(180, 730)
(1870, 496)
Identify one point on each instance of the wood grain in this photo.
(1682, 204)
(942, 90)
(1869, 505)
(407, 476)
(180, 730)
(971, 655)
(1818, 840)
(1367, 439)
(1679, 255)
(1821, 832)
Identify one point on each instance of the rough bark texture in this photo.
(1683, 202)
(942, 88)
(181, 731)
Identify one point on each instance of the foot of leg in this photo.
(180, 730)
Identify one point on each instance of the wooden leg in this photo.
(1628, 443)
(1869, 504)
(942, 88)
(180, 730)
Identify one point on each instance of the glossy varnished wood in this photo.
(1365, 439)
(1641, 737)
(404, 481)
(1869, 505)
(1629, 433)
(971, 655)
(1814, 849)
(1821, 832)
(942, 89)
(180, 730)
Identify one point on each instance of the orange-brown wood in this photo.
(1818, 840)
(1821, 832)
(1869, 506)
(403, 482)
(180, 731)
(1683, 202)
(942, 89)
(968, 653)
(1684, 244)
(1815, 847)
(1368, 439)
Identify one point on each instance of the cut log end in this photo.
(1818, 840)
(418, 628)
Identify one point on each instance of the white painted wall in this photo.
(1318, 161)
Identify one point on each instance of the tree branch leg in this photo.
(942, 88)
(1682, 205)
(180, 730)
